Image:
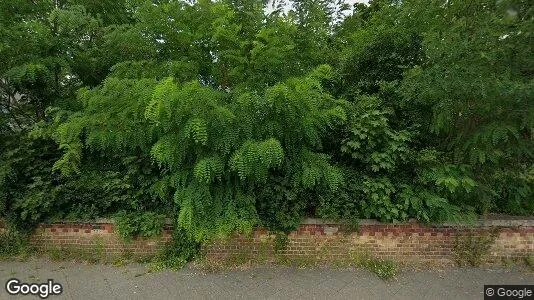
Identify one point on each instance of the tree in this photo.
(477, 81)
(223, 115)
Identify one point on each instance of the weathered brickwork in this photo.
(401, 242)
(408, 242)
(94, 237)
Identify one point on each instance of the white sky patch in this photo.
(286, 4)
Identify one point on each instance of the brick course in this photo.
(91, 237)
(408, 242)
(320, 240)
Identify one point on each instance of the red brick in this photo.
(411, 242)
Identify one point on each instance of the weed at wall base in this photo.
(384, 269)
(471, 249)
(14, 244)
(529, 261)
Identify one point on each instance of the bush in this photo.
(223, 117)
(13, 244)
(177, 252)
(470, 249)
(139, 224)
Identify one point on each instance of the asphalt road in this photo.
(81, 281)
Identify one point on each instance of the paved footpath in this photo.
(81, 281)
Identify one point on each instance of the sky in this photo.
(288, 6)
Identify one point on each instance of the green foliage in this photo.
(224, 115)
(219, 160)
(13, 244)
(384, 269)
(517, 190)
(428, 207)
(280, 242)
(280, 205)
(31, 192)
(178, 251)
(107, 125)
(380, 49)
(92, 255)
(254, 159)
(209, 169)
(482, 109)
(342, 205)
(144, 224)
(378, 199)
(470, 249)
(529, 260)
(372, 141)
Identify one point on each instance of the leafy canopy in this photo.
(224, 115)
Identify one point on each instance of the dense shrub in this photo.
(179, 250)
(144, 224)
(224, 115)
(13, 243)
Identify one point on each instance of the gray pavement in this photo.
(81, 281)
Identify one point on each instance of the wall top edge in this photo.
(493, 221)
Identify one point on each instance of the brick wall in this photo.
(316, 239)
(409, 242)
(98, 236)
